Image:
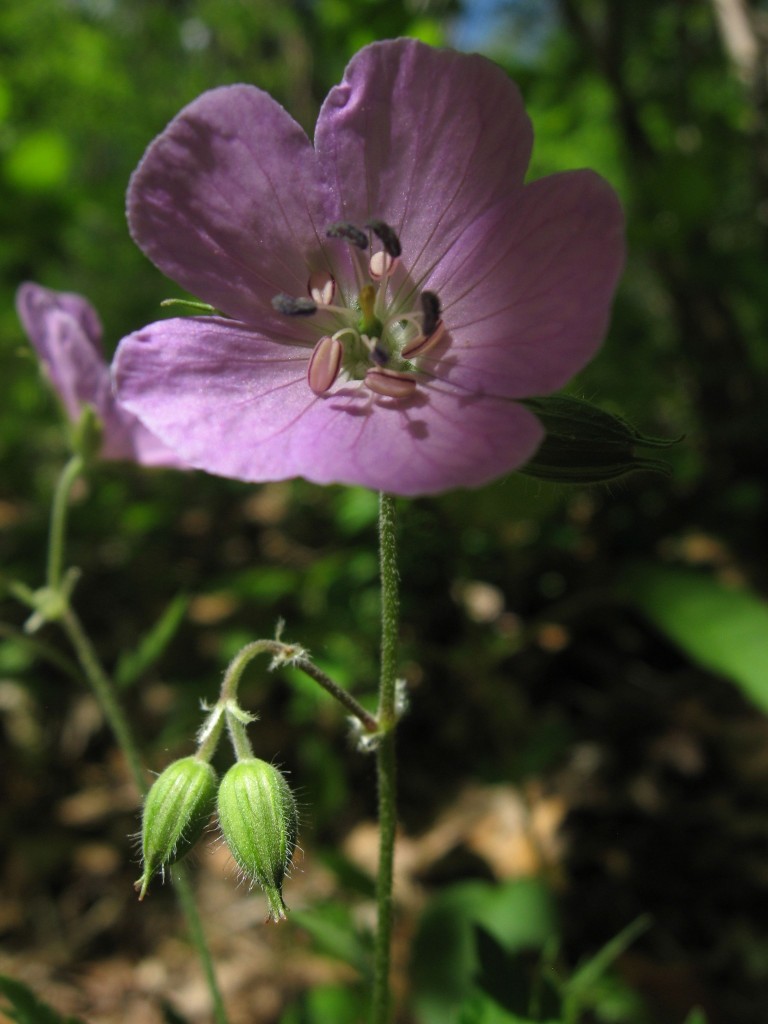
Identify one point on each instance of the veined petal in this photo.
(230, 203)
(65, 331)
(66, 334)
(234, 403)
(75, 373)
(527, 288)
(422, 139)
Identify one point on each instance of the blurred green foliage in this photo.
(526, 657)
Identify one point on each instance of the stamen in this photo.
(430, 305)
(324, 364)
(390, 383)
(381, 265)
(349, 233)
(291, 306)
(424, 342)
(387, 237)
(321, 287)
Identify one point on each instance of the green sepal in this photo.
(259, 820)
(177, 809)
(586, 445)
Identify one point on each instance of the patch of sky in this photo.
(521, 27)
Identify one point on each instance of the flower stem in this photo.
(103, 690)
(291, 654)
(385, 756)
(58, 524)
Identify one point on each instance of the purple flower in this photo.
(386, 294)
(66, 333)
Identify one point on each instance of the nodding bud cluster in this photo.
(259, 821)
(177, 809)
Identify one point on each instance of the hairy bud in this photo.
(177, 809)
(259, 820)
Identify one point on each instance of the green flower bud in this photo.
(259, 820)
(177, 809)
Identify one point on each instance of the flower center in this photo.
(370, 333)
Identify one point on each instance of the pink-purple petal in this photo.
(424, 139)
(527, 289)
(233, 403)
(65, 331)
(63, 320)
(230, 203)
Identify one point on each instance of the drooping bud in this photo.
(177, 809)
(259, 821)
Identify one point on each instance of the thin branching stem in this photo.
(294, 656)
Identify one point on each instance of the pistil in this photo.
(375, 341)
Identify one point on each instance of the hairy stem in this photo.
(290, 654)
(385, 756)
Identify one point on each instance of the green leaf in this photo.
(133, 663)
(325, 1003)
(580, 986)
(26, 1008)
(723, 628)
(481, 1009)
(445, 959)
(335, 934)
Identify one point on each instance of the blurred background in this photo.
(584, 768)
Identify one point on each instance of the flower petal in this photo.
(42, 312)
(527, 288)
(65, 331)
(229, 202)
(422, 139)
(233, 403)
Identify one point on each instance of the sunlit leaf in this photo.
(723, 628)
